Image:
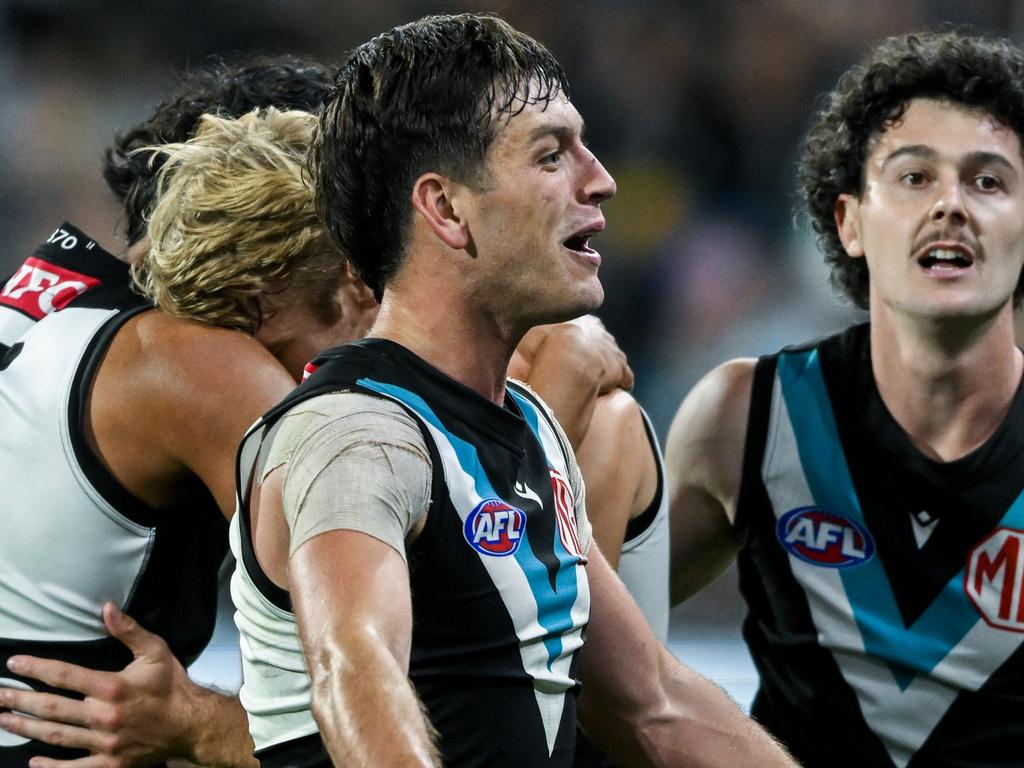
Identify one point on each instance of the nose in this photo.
(949, 204)
(598, 184)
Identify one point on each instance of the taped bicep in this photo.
(352, 462)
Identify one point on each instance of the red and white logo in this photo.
(825, 539)
(495, 528)
(39, 287)
(565, 514)
(308, 370)
(993, 579)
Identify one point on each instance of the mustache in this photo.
(961, 238)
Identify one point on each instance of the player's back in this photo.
(72, 537)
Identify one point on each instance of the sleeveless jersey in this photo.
(884, 588)
(67, 265)
(72, 537)
(644, 558)
(499, 594)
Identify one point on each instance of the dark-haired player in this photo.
(872, 482)
(145, 406)
(414, 553)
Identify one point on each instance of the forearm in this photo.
(698, 726)
(644, 708)
(692, 724)
(368, 713)
(219, 736)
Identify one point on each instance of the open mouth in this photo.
(579, 243)
(945, 259)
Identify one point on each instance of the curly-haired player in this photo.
(871, 483)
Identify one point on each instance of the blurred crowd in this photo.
(697, 108)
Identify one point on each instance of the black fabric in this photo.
(306, 752)
(803, 698)
(465, 662)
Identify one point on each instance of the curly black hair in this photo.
(225, 88)
(423, 96)
(981, 73)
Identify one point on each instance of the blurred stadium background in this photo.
(695, 106)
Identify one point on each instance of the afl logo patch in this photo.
(824, 538)
(495, 528)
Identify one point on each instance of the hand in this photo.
(582, 347)
(136, 717)
(570, 365)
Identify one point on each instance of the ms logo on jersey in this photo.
(993, 577)
(495, 528)
(824, 538)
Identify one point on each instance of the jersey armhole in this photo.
(751, 485)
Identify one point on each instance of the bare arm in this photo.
(194, 392)
(619, 467)
(643, 707)
(570, 365)
(703, 465)
(351, 596)
(182, 416)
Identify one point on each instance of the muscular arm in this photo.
(169, 403)
(194, 392)
(703, 466)
(643, 707)
(618, 465)
(350, 589)
(351, 596)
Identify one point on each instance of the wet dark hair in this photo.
(979, 73)
(228, 89)
(422, 97)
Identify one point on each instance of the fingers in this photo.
(69, 677)
(57, 734)
(130, 632)
(45, 706)
(92, 761)
(628, 379)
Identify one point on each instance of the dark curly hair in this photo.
(978, 72)
(225, 88)
(421, 97)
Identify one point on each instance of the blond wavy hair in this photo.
(235, 220)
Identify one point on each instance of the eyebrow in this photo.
(923, 151)
(558, 130)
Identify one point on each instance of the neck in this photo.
(948, 384)
(469, 348)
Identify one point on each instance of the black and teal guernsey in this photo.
(499, 593)
(884, 588)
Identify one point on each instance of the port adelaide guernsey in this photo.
(886, 610)
(499, 593)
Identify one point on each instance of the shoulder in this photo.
(721, 397)
(187, 370)
(706, 441)
(617, 418)
(354, 417)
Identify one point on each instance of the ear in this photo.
(432, 198)
(358, 291)
(847, 216)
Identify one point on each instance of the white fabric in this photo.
(644, 560)
(51, 514)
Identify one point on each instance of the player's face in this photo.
(539, 206)
(295, 334)
(941, 217)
